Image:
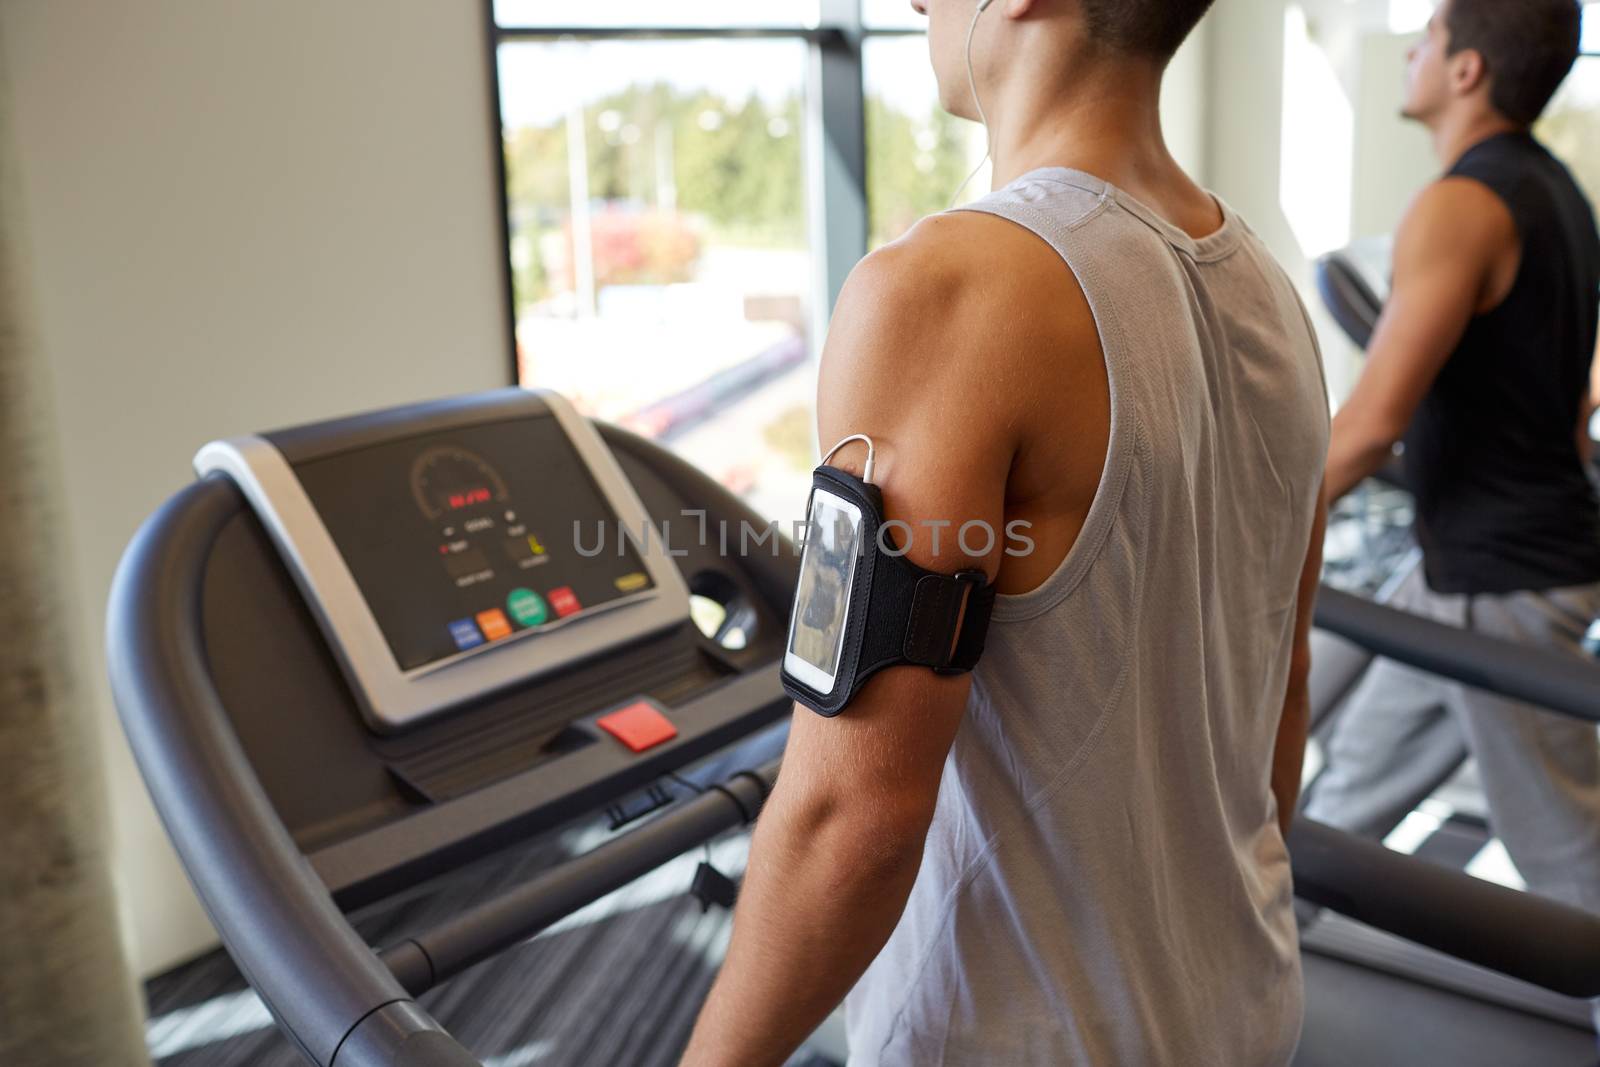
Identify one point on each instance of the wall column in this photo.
(67, 996)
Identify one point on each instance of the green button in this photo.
(527, 607)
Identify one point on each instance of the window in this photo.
(1318, 139)
(892, 15)
(676, 227)
(658, 14)
(1572, 125)
(661, 269)
(917, 153)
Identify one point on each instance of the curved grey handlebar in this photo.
(276, 917)
(1552, 680)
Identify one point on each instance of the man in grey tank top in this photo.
(1074, 855)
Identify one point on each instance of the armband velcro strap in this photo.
(974, 627)
(948, 621)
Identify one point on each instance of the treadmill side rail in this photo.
(1555, 681)
(277, 919)
(1548, 944)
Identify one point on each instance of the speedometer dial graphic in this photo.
(450, 480)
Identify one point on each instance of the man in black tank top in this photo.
(1503, 501)
(1481, 366)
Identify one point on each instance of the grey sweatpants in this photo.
(1403, 733)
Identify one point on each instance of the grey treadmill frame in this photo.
(327, 988)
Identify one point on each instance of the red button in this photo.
(565, 601)
(639, 726)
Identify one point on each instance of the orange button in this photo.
(494, 624)
(639, 726)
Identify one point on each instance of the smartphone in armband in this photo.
(822, 601)
(861, 605)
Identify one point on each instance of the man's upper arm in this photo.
(1444, 258)
(901, 366)
(1294, 722)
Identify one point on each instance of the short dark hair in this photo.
(1528, 47)
(1144, 27)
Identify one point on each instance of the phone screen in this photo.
(822, 604)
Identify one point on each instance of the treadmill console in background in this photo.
(449, 559)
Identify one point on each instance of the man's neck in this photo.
(1108, 123)
(1453, 137)
(1105, 121)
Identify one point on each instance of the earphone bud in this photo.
(972, 83)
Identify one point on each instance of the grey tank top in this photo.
(1104, 881)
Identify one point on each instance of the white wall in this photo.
(243, 215)
(1393, 157)
(1245, 107)
(1388, 159)
(1184, 113)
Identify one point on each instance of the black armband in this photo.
(862, 605)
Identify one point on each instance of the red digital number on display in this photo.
(470, 498)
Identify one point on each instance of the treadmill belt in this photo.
(1359, 1016)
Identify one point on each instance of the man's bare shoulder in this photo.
(1455, 216)
(969, 349)
(962, 296)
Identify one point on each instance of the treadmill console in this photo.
(448, 559)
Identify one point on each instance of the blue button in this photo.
(466, 634)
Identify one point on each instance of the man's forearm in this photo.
(822, 893)
(1289, 755)
(1355, 453)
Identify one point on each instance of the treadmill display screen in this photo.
(474, 536)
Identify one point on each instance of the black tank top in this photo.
(1503, 501)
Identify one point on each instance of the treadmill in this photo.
(1427, 996)
(360, 655)
(1350, 281)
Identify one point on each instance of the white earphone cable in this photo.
(872, 454)
(972, 83)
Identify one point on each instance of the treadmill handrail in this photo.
(434, 956)
(1531, 938)
(1520, 935)
(1348, 297)
(280, 925)
(1560, 682)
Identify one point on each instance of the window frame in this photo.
(835, 114)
